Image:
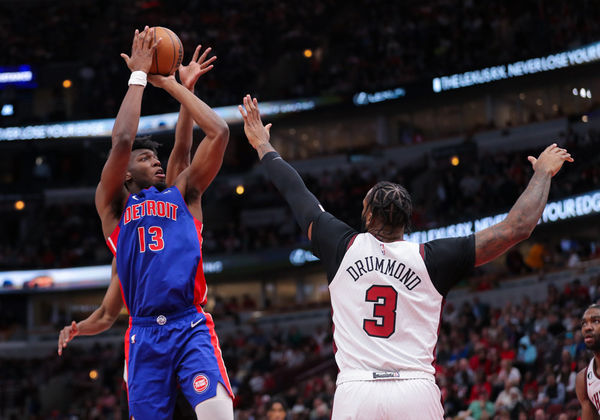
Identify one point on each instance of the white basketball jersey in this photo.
(593, 385)
(386, 312)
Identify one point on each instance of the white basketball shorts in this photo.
(400, 399)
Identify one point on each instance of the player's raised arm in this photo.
(304, 204)
(110, 189)
(180, 156)
(524, 215)
(101, 319)
(209, 156)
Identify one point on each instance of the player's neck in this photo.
(387, 236)
(597, 364)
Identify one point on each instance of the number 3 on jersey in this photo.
(156, 238)
(385, 299)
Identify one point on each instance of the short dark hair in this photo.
(391, 204)
(145, 142)
(592, 306)
(276, 400)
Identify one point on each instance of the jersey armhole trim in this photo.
(351, 241)
(422, 251)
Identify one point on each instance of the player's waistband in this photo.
(365, 375)
(162, 319)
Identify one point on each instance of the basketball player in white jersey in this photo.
(587, 385)
(387, 294)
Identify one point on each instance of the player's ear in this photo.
(128, 177)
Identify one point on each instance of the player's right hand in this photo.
(550, 160)
(142, 50)
(66, 335)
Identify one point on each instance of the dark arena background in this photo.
(446, 97)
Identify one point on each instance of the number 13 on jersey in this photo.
(155, 235)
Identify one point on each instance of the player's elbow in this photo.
(222, 134)
(522, 232)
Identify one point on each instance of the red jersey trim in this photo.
(217, 348)
(351, 242)
(112, 240)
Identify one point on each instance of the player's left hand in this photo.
(66, 335)
(253, 127)
(198, 66)
(160, 81)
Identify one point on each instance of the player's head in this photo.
(386, 209)
(144, 169)
(276, 410)
(590, 327)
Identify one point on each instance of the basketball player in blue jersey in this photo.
(587, 384)
(386, 293)
(155, 233)
(104, 317)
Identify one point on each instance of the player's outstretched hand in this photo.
(66, 335)
(550, 160)
(257, 134)
(142, 50)
(198, 66)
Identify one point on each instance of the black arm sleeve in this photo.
(448, 261)
(303, 203)
(330, 240)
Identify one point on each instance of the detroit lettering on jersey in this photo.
(385, 266)
(150, 208)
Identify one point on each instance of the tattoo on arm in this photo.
(263, 149)
(518, 225)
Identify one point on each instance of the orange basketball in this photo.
(168, 54)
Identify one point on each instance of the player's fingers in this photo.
(203, 56)
(136, 36)
(148, 37)
(196, 52)
(208, 62)
(142, 37)
(256, 110)
(241, 109)
(206, 70)
(125, 57)
(155, 45)
(268, 128)
(247, 105)
(531, 159)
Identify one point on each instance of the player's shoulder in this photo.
(583, 375)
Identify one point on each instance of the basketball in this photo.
(168, 54)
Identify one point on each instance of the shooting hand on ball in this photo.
(198, 66)
(160, 81)
(142, 50)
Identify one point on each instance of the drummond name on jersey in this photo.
(387, 266)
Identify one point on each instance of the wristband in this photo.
(138, 78)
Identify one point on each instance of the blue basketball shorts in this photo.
(166, 351)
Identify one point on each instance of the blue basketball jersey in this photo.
(158, 248)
